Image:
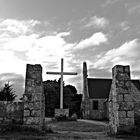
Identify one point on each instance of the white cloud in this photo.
(20, 38)
(95, 40)
(21, 43)
(63, 34)
(6, 55)
(47, 48)
(109, 2)
(37, 49)
(124, 25)
(126, 54)
(17, 26)
(13, 65)
(97, 22)
(134, 9)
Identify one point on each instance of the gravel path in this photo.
(93, 122)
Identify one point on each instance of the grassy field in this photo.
(65, 130)
(76, 126)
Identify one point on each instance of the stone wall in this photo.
(85, 108)
(34, 100)
(11, 112)
(121, 105)
(101, 113)
(85, 82)
(85, 104)
(61, 112)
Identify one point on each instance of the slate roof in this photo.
(137, 84)
(100, 88)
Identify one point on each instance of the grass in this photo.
(75, 126)
(22, 130)
(65, 130)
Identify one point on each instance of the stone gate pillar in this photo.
(85, 105)
(34, 100)
(121, 106)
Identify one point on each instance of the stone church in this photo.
(96, 92)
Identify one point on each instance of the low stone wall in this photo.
(11, 112)
(85, 107)
(61, 112)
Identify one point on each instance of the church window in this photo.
(95, 105)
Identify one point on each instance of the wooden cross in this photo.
(61, 84)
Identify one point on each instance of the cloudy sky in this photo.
(101, 32)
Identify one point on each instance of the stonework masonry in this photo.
(121, 105)
(34, 100)
(61, 112)
(101, 113)
(85, 105)
(85, 81)
(11, 112)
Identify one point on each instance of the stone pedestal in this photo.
(34, 100)
(121, 105)
(61, 112)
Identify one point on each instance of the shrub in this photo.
(61, 118)
(74, 116)
(7, 93)
(65, 118)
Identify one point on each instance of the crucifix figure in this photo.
(61, 86)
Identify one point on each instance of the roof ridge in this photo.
(101, 78)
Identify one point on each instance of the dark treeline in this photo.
(72, 100)
(7, 93)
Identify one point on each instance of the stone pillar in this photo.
(121, 106)
(85, 108)
(85, 81)
(85, 105)
(34, 100)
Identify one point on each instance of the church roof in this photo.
(137, 84)
(100, 88)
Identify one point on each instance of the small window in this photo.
(95, 105)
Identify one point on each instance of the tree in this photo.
(76, 100)
(52, 97)
(68, 97)
(7, 93)
(72, 88)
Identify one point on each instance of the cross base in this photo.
(61, 112)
